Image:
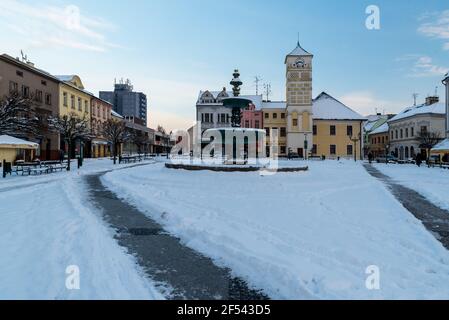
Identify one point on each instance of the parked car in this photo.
(390, 159)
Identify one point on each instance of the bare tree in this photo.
(427, 140)
(115, 132)
(161, 129)
(71, 127)
(140, 140)
(17, 116)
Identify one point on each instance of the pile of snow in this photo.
(296, 235)
(46, 225)
(432, 183)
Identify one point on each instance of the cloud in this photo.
(366, 102)
(436, 25)
(55, 26)
(422, 66)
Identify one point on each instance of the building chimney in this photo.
(431, 100)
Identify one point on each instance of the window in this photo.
(72, 101)
(406, 132)
(80, 105)
(246, 123)
(283, 150)
(383, 140)
(314, 149)
(223, 117)
(86, 106)
(333, 149)
(266, 115)
(283, 132)
(275, 115)
(332, 130)
(43, 82)
(392, 137)
(349, 131)
(412, 131)
(282, 115)
(206, 118)
(402, 133)
(397, 134)
(19, 73)
(267, 132)
(202, 117)
(64, 95)
(295, 122)
(314, 128)
(13, 87)
(257, 125)
(349, 150)
(423, 129)
(25, 91)
(48, 98)
(38, 96)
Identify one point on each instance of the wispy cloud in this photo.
(56, 26)
(436, 25)
(422, 66)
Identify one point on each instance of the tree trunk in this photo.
(115, 152)
(69, 155)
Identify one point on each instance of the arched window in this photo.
(406, 152)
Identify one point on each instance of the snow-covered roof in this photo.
(12, 142)
(274, 105)
(326, 107)
(256, 99)
(446, 77)
(442, 146)
(299, 51)
(381, 129)
(436, 108)
(65, 78)
(116, 114)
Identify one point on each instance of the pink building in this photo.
(252, 118)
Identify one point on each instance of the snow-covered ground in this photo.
(296, 235)
(432, 183)
(46, 225)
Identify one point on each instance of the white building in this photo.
(404, 128)
(210, 111)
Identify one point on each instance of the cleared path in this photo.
(188, 274)
(435, 219)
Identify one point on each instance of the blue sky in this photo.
(172, 49)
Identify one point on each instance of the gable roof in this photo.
(442, 146)
(381, 129)
(13, 142)
(326, 107)
(436, 108)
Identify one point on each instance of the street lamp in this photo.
(306, 146)
(355, 140)
(387, 148)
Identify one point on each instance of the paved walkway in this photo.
(435, 219)
(188, 274)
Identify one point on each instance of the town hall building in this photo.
(305, 126)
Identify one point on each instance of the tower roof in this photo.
(299, 51)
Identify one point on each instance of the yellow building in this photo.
(73, 98)
(311, 127)
(274, 122)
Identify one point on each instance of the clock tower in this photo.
(298, 66)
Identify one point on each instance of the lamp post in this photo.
(355, 140)
(387, 148)
(306, 146)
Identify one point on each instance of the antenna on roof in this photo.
(415, 96)
(267, 87)
(257, 79)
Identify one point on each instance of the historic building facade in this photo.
(379, 141)
(404, 128)
(73, 99)
(304, 126)
(23, 78)
(100, 113)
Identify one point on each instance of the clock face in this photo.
(299, 63)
